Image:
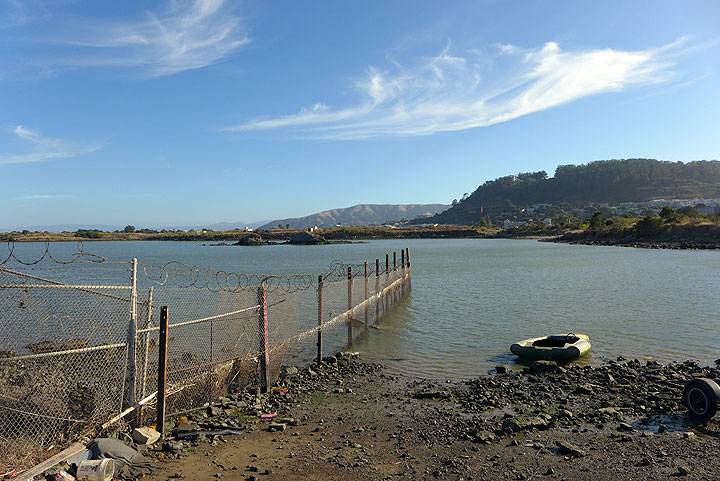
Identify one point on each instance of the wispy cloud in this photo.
(44, 197)
(39, 148)
(457, 92)
(186, 35)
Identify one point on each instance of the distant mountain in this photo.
(609, 182)
(363, 214)
(219, 226)
(235, 225)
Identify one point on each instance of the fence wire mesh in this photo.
(79, 337)
(62, 360)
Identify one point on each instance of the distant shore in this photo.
(703, 236)
(680, 236)
(274, 235)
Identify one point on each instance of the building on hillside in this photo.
(513, 224)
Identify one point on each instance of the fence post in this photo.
(387, 282)
(366, 295)
(147, 341)
(394, 261)
(131, 375)
(320, 319)
(162, 370)
(349, 306)
(377, 290)
(402, 259)
(264, 356)
(146, 350)
(408, 257)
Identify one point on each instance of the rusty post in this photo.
(320, 319)
(402, 259)
(162, 370)
(349, 306)
(408, 257)
(264, 351)
(394, 261)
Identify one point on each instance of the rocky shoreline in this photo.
(348, 419)
(647, 244)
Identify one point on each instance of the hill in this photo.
(609, 182)
(363, 214)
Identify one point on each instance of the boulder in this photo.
(307, 239)
(252, 239)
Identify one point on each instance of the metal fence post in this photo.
(408, 257)
(162, 370)
(264, 355)
(131, 375)
(146, 335)
(319, 319)
(377, 290)
(366, 295)
(394, 261)
(349, 306)
(146, 351)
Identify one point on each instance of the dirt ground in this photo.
(357, 423)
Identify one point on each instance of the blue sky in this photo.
(198, 111)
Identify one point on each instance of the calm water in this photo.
(472, 298)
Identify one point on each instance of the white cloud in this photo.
(450, 93)
(40, 148)
(44, 197)
(188, 34)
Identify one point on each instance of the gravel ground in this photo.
(348, 420)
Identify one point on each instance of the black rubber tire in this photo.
(701, 397)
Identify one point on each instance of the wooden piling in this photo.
(263, 335)
(394, 261)
(402, 259)
(162, 370)
(320, 319)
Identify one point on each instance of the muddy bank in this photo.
(347, 419)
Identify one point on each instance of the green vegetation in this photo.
(682, 228)
(609, 182)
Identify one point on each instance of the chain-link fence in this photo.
(79, 340)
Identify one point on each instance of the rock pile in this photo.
(622, 395)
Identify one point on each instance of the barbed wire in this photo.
(183, 275)
(78, 256)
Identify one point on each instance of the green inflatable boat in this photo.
(562, 348)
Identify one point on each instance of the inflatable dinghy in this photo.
(562, 348)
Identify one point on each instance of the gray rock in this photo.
(543, 366)
(277, 427)
(524, 423)
(568, 449)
